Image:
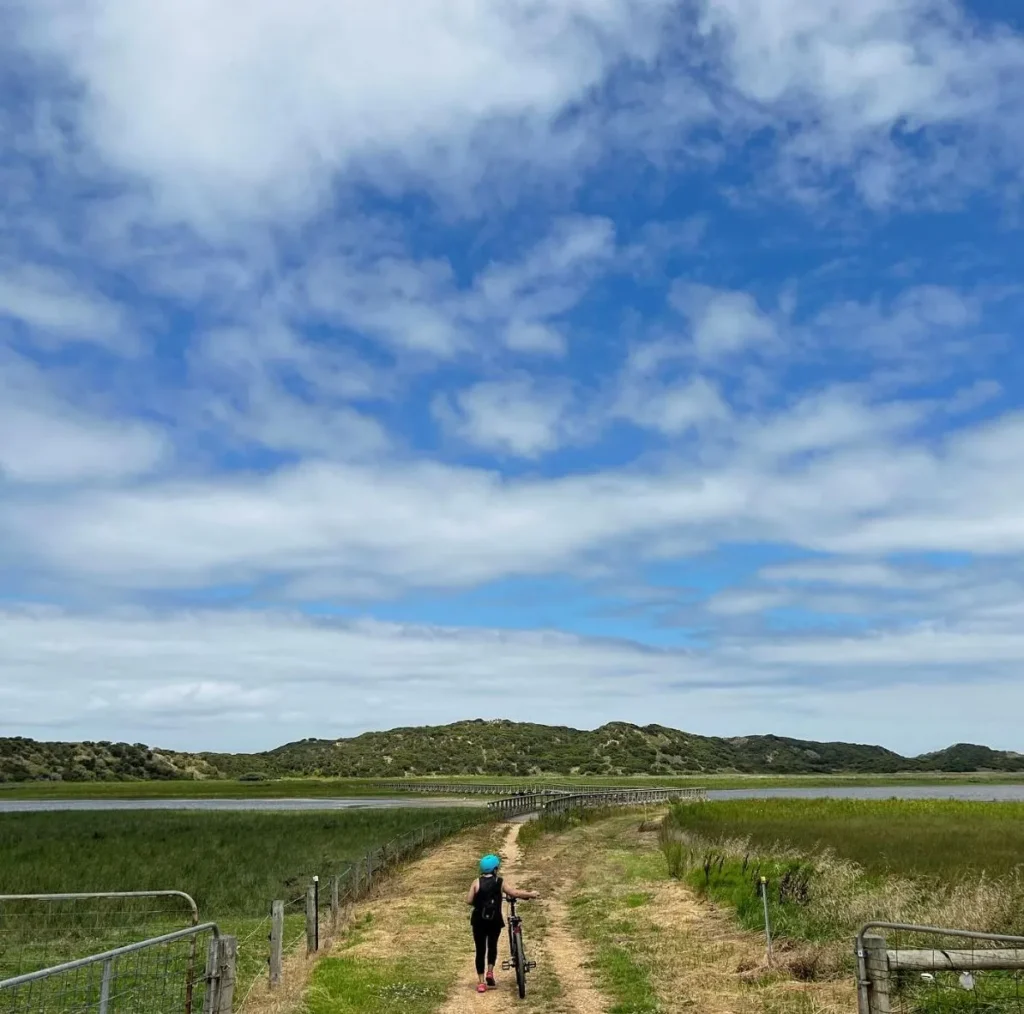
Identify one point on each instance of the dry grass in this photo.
(692, 954)
(841, 896)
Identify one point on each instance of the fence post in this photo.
(876, 966)
(310, 919)
(108, 971)
(276, 941)
(767, 921)
(220, 975)
(335, 900)
(316, 913)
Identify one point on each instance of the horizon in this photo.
(614, 360)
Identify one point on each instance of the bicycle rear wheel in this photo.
(519, 960)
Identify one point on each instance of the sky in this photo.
(378, 364)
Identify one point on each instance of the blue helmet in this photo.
(489, 864)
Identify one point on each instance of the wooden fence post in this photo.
(335, 901)
(876, 962)
(276, 941)
(310, 920)
(221, 959)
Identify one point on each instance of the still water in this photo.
(354, 803)
(983, 793)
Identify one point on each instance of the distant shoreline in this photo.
(344, 788)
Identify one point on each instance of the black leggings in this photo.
(486, 939)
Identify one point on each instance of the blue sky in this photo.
(379, 364)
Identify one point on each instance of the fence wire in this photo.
(929, 970)
(39, 935)
(166, 975)
(38, 931)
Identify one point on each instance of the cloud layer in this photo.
(659, 358)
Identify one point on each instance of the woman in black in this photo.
(485, 895)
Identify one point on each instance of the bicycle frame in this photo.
(516, 948)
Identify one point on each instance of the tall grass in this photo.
(233, 864)
(906, 837)
(833, 865)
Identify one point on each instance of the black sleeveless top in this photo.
(488, 897)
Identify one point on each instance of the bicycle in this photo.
(516, 949)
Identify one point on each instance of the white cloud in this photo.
(280, 676)
(724, 325)
(268, 386)
(871, 496)
(532, 336)
(829, 420)
(272, 101)
(419, 306)
(57, 310)
(44, 439)
(672, 408)
(512, 416)
(911, 101)
(866, 84)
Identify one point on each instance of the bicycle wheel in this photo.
(519, 960)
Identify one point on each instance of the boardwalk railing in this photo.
(475, 788)
(600, 797)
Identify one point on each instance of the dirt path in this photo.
(611, 930)
(561, 981)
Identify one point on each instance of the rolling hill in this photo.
(498, 748)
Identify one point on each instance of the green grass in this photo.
(233, 864)
(348, 985)
(941, 838)
(624, 978)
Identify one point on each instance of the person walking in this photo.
(487, 921)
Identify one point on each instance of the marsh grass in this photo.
(833, 865)
(233, 864)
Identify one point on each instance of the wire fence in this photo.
(308, 920)
(175, 973)
(41, 930)
(145, 953)
(905, 969)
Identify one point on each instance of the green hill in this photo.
(23, 760)
(496, 748)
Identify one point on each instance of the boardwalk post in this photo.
(276, 941)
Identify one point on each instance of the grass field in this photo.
(317, 788)
(834, 864)
(232, 864)
(909, 837)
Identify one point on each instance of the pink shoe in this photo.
(481, 988)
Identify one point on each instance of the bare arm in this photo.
(514, 892)
(472, 892)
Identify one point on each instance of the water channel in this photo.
(980, 793)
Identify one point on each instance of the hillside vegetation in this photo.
(26, 760)
(494, 748)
